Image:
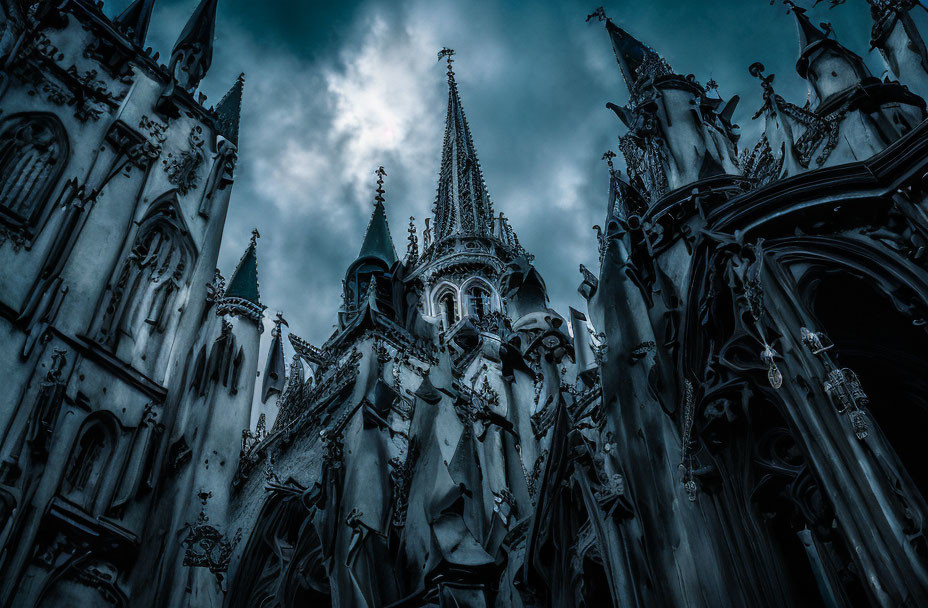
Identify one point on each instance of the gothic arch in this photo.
(153, 276)
(282, 564)
(803, 259)
(359, 277)
(446, 303)
(490, 297)
(843, 285)
(836, 285)
(34, 150)
(90, 460)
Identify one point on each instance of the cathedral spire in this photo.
(463, 205)
(229, 109)
(193, 52)
(377, 255)
(135, 19)
(242, 295)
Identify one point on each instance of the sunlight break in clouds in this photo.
(384, 99)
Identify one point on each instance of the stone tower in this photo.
(115, 180)
(420, 436)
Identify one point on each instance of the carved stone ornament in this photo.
(182, 166)
(207, 547)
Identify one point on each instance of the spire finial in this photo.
(599, 14)
(608, 155)
(278, 321)
(756, 70)
(255, 235)
(380, 173)
(447, 54)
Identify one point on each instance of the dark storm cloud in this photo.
(336, 89)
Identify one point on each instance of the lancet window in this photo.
(478, 301)
(448, 308)
(33, 153)
(92, 451)
(155, 271)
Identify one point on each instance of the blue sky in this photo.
(336, 89)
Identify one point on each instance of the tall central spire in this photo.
(463, 207)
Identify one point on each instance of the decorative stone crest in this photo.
(216, 289)
(401, 477)
(182, 166)
(207, 547)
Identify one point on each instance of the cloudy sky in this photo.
(335, 89)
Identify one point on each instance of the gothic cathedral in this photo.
(732, 421)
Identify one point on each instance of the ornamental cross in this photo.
(447, 53)
(255, 235)
(380, 191)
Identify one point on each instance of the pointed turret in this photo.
(378, 243)
(242, 295)
(828, 66)
(677, 134)
(377, 255)
(275, 370)
(229, 109)
(193, 52)
(377, 240)
(135, 19)
(809, 35)
(895, 33)
(636, 59)
(463, 205)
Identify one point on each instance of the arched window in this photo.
(478, 301)
(448, 308)
(87, 461)
(33, 153)
(156, 269)
(92, 451)
(358, 280)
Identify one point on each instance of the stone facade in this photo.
(116, 183)
(731, 422)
